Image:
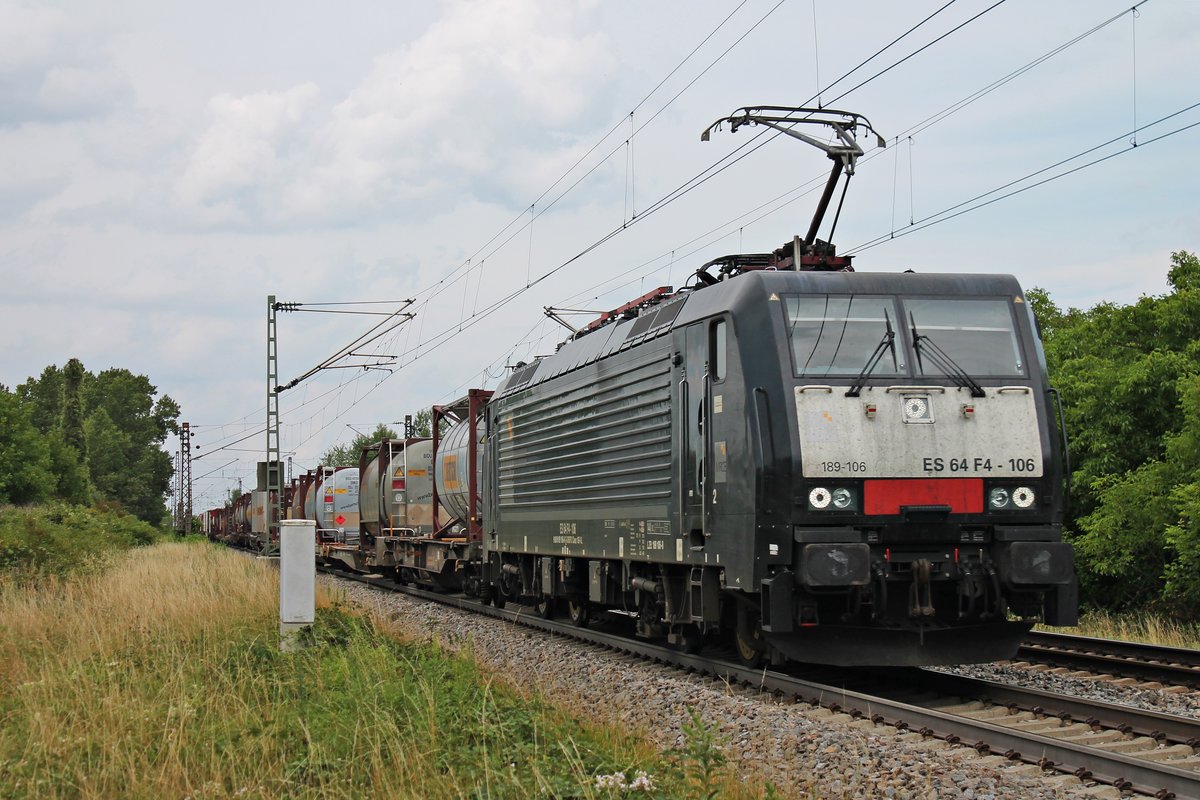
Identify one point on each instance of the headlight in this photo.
(843, 499)
(998, 498)
(1003, 497)
(1022, 497)
(819, 498)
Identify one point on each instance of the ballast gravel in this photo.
(803, 752)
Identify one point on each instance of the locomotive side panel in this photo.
(582, 465)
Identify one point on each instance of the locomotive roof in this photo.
(751, 288)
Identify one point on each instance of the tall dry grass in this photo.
(101, 676)
(1135, 627)
(160, 677)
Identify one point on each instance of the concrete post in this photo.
(297, 579)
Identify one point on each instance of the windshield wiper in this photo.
(942, 360)
(888, 342)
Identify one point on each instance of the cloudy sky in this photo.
(164, 167)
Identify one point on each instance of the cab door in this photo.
(692, 416)
(702, 477)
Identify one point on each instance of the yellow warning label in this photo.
(417, 473)
(343, 490)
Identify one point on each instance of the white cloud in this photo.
(418, 132)
(244, 146)
(52, 68)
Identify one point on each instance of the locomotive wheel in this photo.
(747, 651)
(544, 607)
(579, 611)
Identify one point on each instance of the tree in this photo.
(346, 455)
(43, 397)
(1128, 377)
(72, 413)
(422, 423)
(101, 436)
(125, 427)
(1183, 504)
(24, 463)
(69, 471)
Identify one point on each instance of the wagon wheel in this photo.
(580, 611)
(544, 607)
(508, 587)
(747, 645)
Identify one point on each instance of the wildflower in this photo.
(641, 782)
(614, 781)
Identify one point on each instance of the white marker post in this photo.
(297, 579)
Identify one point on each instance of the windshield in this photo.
(837, 334)
(977, 334)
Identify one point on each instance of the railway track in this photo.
(1155, 664)
(1133, 750)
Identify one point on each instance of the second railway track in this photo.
(1170, 666)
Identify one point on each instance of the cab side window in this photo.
(717, 347)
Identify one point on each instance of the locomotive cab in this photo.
(907, 469)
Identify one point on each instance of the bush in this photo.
(60, 538)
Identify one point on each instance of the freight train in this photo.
(813, 463)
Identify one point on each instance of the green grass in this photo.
(160, 677)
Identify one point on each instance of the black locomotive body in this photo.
(836, 467)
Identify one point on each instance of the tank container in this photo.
(452, 469)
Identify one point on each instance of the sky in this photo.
(166, 167)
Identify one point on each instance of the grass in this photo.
(1134, 627)
(160, 677)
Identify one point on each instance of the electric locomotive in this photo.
(841, 467)
(835, 467)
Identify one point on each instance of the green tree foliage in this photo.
(24, 463)
(423, 424)
(1129, 380)
(43, 397)
(145, 471)
(102, 435)
(346, 455)
(71, 480)
(72, 414)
